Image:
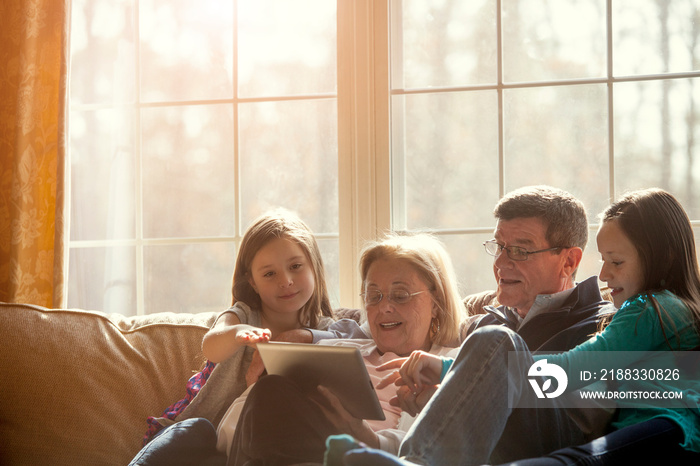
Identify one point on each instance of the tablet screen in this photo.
(340, 368)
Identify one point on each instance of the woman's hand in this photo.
(419, 370)
(346, 422)
(255, 369)
(417, 379)
(394, 375)
(251, 336)
(413, 402)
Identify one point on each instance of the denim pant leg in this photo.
(465, 421)
(189, 442)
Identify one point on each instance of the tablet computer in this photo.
(340, 368)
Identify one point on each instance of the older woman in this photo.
(411, 303)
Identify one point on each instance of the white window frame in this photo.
(364, 136)
(365, 127)
(365, 174)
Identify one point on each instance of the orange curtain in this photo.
(34, 54)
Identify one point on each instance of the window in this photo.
(189, 119)
(596, 97)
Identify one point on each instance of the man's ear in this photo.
(572, 260)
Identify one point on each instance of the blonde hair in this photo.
(427, 255)
(281, 223)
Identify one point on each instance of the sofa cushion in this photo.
(476, 302)
(77, 385)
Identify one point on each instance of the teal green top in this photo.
(636, 327)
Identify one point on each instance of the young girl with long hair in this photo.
(278, 285)
(279, 275)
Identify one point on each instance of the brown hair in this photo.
(658, 227)
(281, 224)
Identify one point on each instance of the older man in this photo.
(538, 243)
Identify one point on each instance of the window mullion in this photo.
(138, 185)
(363, 134)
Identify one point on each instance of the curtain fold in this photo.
(34, 64)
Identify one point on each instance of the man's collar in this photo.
(547, 303)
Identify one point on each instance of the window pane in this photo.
(186, 49)
(289, 158)
(102, 175)
(656, 129)
(330, 252)
(558, 136)
(437, 43)
(655, 36)
(102, 35)
(442, 154)
(103, 279)
(590, 263)
(474, 267)
(188, 171)
(559, 39)
(188, 278)
(286, 48)
(182, 182)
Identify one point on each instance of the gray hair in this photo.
(563, 214)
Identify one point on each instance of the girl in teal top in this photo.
(650, 264)
(639, 327)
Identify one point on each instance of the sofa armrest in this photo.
(78, 385)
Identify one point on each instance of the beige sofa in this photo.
(77, 386)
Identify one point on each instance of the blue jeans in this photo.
(656, 441)
(470, 421)
(189, 442)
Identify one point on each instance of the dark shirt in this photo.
(559, 329)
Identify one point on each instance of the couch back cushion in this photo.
(77, 385)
